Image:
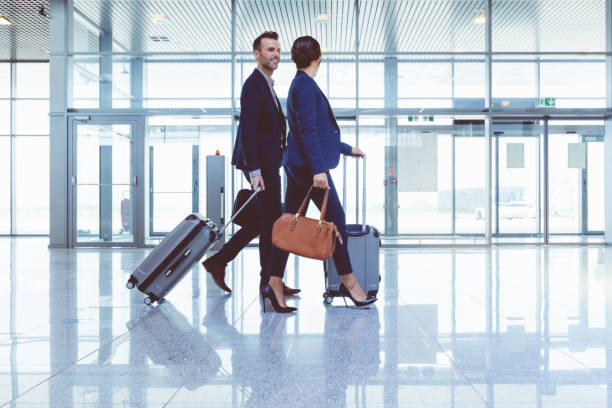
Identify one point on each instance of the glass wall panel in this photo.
(468, 84)
(537, 23)
(31, 117)
(86, 83)
(5, 117)
(595, 186)
(5, 80)
(342, 90)
(171, 154)
(372, 135)
(173, 146)
(586, 89)
(348, 135)
(5, 185)
(122, 83)
(424, 84)
(470, 178)
(32, 184)
(424, 173)
(187, 84)
(514, 84)
(371, 84)
(32, 80)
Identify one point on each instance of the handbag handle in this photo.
(323, 207)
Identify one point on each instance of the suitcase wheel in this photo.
(147, 301)
(327, 298)
(130, 284)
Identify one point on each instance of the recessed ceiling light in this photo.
(505, 104)
(158, 18)
(458, 50)
(322, 17)
(5, 21)
(479, 18)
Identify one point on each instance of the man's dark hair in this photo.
(268, 34)
(304, 51)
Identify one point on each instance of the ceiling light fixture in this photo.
(479, 18)
(5, 21)
(158, 18)
(322, 17)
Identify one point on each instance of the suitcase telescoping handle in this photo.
(363, 199)
(239, 211)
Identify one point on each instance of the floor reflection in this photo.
(507, 326)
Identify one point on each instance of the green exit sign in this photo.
(547, 102)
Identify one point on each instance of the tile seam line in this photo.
(214, 347)
(62, 370)
(452, 360)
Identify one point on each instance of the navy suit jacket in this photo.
(314, 135)
(261, 129)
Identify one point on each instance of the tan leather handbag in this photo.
(305, 236)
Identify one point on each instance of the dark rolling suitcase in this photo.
(363, 243)
(176, 254)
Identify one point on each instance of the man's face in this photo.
(269, 54)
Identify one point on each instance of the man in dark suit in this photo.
(260, 142)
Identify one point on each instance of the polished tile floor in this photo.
(502, 327)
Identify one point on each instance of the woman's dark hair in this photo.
(304, 51)
(267, 34)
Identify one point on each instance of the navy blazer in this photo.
(314, 136)
(262, 127)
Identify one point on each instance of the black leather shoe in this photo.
(287, 291)
(344, 292)
(218, 273)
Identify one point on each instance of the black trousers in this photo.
(268, 204)
(299, 180)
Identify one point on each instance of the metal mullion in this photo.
(12, 147)
(584, 190)
(233, 91)
(453, 185)
(488, 120)
(546, 179)
(357, 112)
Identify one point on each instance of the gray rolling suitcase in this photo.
(174, 256)
(364, 251)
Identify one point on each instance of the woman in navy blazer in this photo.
(313, 148)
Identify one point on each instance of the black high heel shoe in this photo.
(344, 292)
(268, 292)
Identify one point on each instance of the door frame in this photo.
(137, 124)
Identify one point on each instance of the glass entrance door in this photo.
(517, 176)
(104, 182)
